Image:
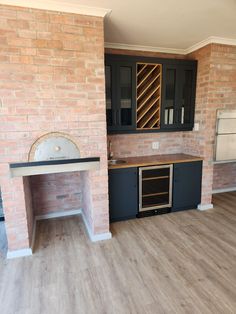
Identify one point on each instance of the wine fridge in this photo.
(155, 188)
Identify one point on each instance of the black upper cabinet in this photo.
(120, 95)
(178, 96)
(178, 87)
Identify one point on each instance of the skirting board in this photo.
(95, 237)
(204, 207)
(24, 252)
(59, 214)
(224, 190)
(19, 253)
(29, 251)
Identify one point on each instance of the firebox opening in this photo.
(54, 193)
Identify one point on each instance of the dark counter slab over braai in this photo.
(53, 166)
(52, 162)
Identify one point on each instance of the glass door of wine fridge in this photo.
(155, 187)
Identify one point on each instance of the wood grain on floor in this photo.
(177, 263)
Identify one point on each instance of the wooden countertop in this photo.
(154, 160)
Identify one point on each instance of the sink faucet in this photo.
(110, 153)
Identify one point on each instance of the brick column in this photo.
(18, 213)
(95, 205)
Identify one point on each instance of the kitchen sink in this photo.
(116, 161)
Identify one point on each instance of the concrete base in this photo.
(19, 253)
(204, 207)
(96, 237)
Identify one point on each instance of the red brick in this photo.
(18, 24)
(19, 42)
(48, 88)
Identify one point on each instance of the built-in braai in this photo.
(47, 174)
(53, 153)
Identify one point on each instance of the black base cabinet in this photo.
(187, 180)
(123, 193)
(123, 190)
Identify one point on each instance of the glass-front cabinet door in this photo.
(178, 97)
(108, 79)
(125, 95)
(120, 95)
(169, 102)
(187, 96)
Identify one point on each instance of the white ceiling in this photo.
(176, 24)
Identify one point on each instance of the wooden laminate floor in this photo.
(176, 263)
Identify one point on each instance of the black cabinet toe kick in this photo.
(153, 212)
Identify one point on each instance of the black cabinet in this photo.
(120, 95)
(187, 178)
(123, 193)
(178, 96)
(124, 190)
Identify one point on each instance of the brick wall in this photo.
(215, 90)
(201, 142)
(51, 79)
(141, 144)
(223, 96)
(224, 176)
(56, 192)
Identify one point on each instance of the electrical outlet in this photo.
(155, 145)
(196, 126)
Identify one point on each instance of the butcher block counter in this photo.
(154, 160)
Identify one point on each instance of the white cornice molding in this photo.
(144, 48)
(211, 40)
(61, 6)
(201, 44)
